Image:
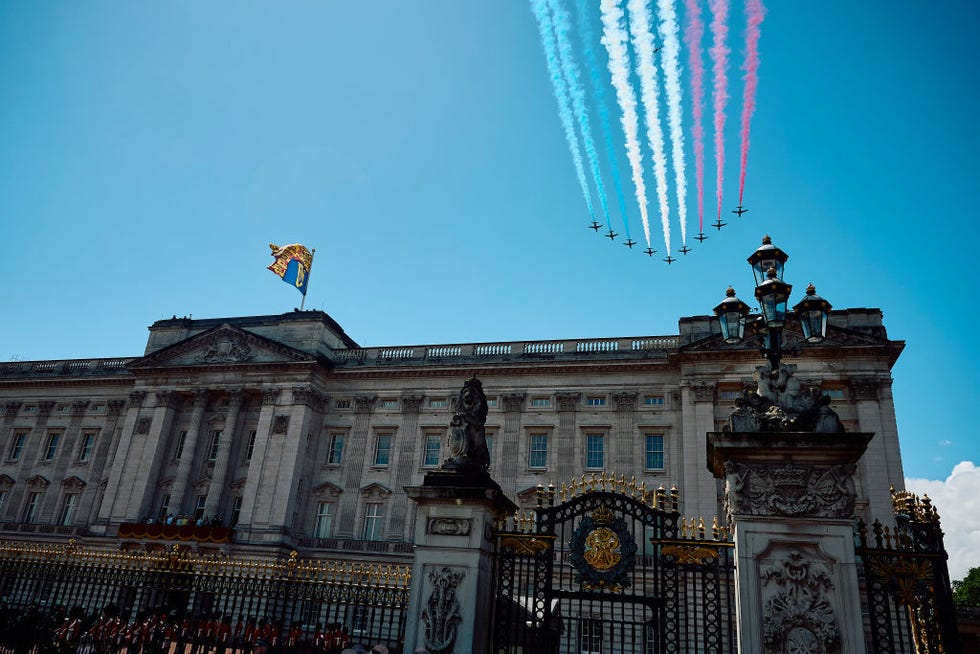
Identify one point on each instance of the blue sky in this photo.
(149, 152)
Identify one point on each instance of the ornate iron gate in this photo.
(612, 568)
(906, 581)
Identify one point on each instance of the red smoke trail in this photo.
(693, 33)
(719, 96)
(755, 12)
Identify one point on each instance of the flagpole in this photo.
(302, 302)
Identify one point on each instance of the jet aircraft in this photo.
(596, 226)
(701, 237)
(670, 259)
(718, 224)
(739, 211)
(685, 250)
(629, 243)
(611, 235)
(649, 252)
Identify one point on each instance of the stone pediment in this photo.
(326, 489)
(836, 337)
(222, 346)
(6, 481)
(73, 482)
(375, 491)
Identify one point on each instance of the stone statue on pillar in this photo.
(781, 403)
(467, 440)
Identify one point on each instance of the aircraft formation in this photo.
(684, 249)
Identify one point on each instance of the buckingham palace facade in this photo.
(265, 434)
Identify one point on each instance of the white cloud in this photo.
(957, 499)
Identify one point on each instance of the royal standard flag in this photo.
(292, 264)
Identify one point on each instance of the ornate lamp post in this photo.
(772, 294)
(779, 403)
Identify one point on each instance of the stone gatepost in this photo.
(451, 603)
(790, 497)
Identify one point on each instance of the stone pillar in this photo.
(874, 479)
(255, 479)
(182, 480)
(565, 439)
(700, 492)
(790, 496)
(353, 465)
(511, 437)
(451, 602)
(115, 501)
(408, 444)
(225, 447)
(107, 443)
(620, 456)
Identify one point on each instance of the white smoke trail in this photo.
(614, 38)
(672, 85)
(576, 90)
(647, 72)
(540, 8)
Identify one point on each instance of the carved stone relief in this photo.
(136, 398)
(78, 408)
(364, 403)
(448, 526)
(864, 389)
(443, 613)
(624, 401)
(12, 408)
(567, 401)
(798, 615)
(227, 347)
(789, 490)
(44, 408)
(703, 391)
(280, 424)
(513, 401)
(269, 396)
(143, 425)
(114, 407)
(167, 399)
(411, 403)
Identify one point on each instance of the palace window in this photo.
(179, 449)
(324, 520)
(99, 407)
(389, 404)
(382, 449)
(373, 517)
(590, 636)
(202, 501)
(537, 451)
(433, 448)
(68, 509)
(654, 452)
(437, 404)
(214, 445)
(32, 506)
(164, 506)
(491, 402)
(17, 446)
(342, 404)
(490, 437)
(595, 452)
(250, 446)
(236, 512)
(653, 400)
(51, 448)
(336, 452)
(596, 401)
(540, 401)
(3, 500)
(87, 445)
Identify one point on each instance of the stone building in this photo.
(285, 430)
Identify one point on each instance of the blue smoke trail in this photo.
(540, 9)
(573, 79)
(587, 36)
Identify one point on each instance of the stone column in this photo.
(874, 479)
(115, 500)
(104, 452)
(568, 465)
(182, 480)
(225, 447)
(791, 499)
(353, 464)
(408, 444)
(256, 477)
(511, 437)
(700, 496)
(620, 456)
(451, 600)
